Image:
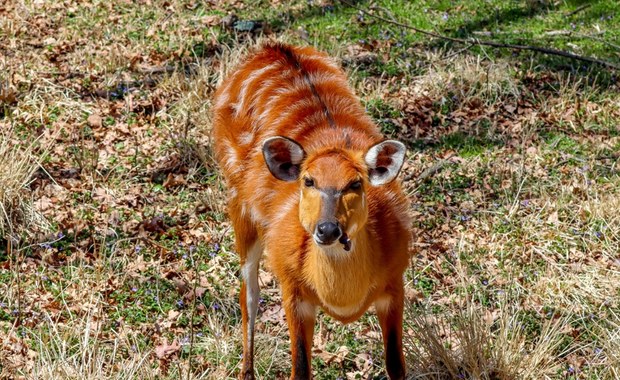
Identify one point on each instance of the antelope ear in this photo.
(283, 157)
(384, 161)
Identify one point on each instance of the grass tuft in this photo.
(19, 162)
(466, 78)
(474, 343)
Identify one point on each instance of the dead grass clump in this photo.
(465, 78)
(609, 351)
(19, 163)
(75, 350)
(221, 346)
(189, 119)
(474, 344)
(576, 104)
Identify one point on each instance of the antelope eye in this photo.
(355, 185)
(308, 182)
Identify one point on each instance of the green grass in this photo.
(538, 23)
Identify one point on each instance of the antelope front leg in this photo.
(300, 316)
(249, 307)
(390, 314)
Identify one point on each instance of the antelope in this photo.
(311, 185)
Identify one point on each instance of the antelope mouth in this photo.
(344, 240)
(323, 243)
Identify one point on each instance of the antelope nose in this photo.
(328, 232)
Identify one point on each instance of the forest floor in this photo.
(116, 256)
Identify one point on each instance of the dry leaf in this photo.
(335, 357)
(173, 180)
(95, 121)
(210, 20)
(165, 349)
(173, 314)
(553, 218)
(273, 314)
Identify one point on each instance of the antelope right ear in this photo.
(283, 157)
(384, 161)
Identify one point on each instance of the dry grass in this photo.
(514, 272)
(467, 78)
(188, 120)
(75, 349)
(19, 162)
(471, 344)
(608, 354)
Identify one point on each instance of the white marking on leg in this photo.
(306, 310)
(383, 304)
(249, 272)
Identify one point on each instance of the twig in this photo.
(149, 241)
(386, 11)
(65, 74)
(17, 262)
(579, 9)
(192, 313)
(515, 204)
(549, 51)
(421, 31)
(158, 70)
(40, 244)
(598, 39)
(458, 52)
(476, 41)
(428, 173)
(569, 157)
(433, 169)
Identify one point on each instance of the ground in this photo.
(116, 255)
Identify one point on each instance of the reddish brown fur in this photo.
(249, 107)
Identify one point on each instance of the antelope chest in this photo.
(341, 281)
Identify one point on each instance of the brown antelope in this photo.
(311, 185)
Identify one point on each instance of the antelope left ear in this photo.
(283, 157)
(384, 161)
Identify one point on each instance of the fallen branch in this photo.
(589, 37)
(429, 172)
(476, 41)
(458, 52)
(158, 70)
(433, 170)
(579, 9)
